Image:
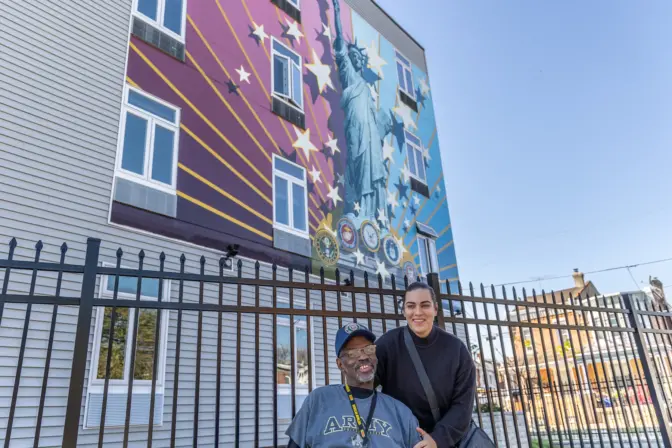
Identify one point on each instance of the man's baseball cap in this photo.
(349, 331)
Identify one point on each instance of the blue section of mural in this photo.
(391, 148)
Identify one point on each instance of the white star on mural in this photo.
(357, 207)
(333, 195)
(404, 203)
(407, 224)
(404, 113)
(400, 243)
(425, 154)
(259, 32)
(315, 174)
(326, 31)
(303, 142)
(416, 200)
(382, 270)
(375, 61)
(360, 257)
(388, 152)
(392, 199)
(381, 216)
(405, 174)
(322, 72)
(294, 30)
(438, 188)
(244, 76)
(424, 87)
(332, 144)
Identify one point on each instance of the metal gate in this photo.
(223, 356)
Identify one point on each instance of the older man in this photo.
(353, 415)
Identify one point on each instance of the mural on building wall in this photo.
(364, 149)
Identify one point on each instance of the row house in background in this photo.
(293, 132)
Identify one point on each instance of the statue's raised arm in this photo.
(338, 42)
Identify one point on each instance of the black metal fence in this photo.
(224, 357)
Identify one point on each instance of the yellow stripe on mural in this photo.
(436, 209)
(415, 218)
(223, 192)
(131, 82)
(199, 113)
(228, 106)
(224, 215)
(446, 246)
(226, 72)
(431, 139)
(225, 163)
(450, 266)
(447, 228)
(268, 95)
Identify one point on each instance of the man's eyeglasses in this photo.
(357, 352)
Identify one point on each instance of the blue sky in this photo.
(555, 121)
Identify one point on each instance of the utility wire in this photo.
(628, 267)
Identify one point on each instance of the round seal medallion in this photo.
(326, 247)
(409, 271)
(391, 250)
(370, 236)
(351, 327)
(347, 234)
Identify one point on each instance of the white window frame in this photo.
(116, 386)
(290, 197)
(420, 151)
(153, 121)
(406, 66)
(299, 389)
(160, 15)
(287, 100)
(430, 250)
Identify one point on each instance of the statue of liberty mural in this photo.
(365, 128)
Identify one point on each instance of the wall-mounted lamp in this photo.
(231, 252)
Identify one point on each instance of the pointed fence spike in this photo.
(366, 275)
(183, 259)
(64, 248)
(141, 255)
(240, 264)
(515, 295)
(222, 262)
(202, 260)
(337, 274)
(274, 267)
(39, 246)
(120, 253)
(257, 265)
(322, 271)
(13, 243)
(162, 256)
(393, 280)
(504, 292)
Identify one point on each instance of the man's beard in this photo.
(365, 377)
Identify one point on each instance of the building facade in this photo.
(290, 131)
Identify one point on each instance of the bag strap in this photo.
(422, 374)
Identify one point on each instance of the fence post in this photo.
(657, 396)
(76, 390)
(435, 284)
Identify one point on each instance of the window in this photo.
(149, 141)
(121, 355)
(416, 158)
(167, 15)
(429, 261)
(290, 198)
(296, 3)
(287, 75)
(405, 75)
(284, 361)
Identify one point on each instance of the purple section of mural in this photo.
(229, 135)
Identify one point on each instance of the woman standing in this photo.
(446, 360)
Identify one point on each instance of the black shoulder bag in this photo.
(475, 436)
